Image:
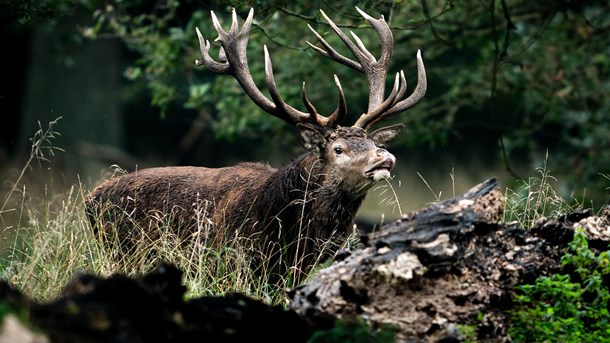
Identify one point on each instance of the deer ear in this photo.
(386, 135)
(311, 138)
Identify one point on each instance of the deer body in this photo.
(315, 196)
(294, 209)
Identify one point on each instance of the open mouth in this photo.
(380, 170)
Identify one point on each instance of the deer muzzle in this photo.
(381, 166)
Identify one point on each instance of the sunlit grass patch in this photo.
(538, 197)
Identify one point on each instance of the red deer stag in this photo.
(291, 209)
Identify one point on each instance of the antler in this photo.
(233, 61)
(375, 71)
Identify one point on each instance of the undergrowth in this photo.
(354, 331)
(570, 307)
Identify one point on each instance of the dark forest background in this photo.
(516, 89)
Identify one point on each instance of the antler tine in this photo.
(361, 56)
(310, 107)
(366, 118)
(413, 99)
(235, 63)
(295, 115)
(207, 60)
(235, 23)
(335, 117)
(375, 70)
(331, 53)
(341, 110)
(399, 89)
(384, 32)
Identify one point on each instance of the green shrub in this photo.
(356, 331)
(566, 307)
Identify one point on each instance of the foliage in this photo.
(30, 13)
(354, 331)
(566, 307)
(468, 332)
(529, 75)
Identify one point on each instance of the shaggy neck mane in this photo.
(304, 192)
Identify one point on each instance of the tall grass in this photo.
(50, 246)
(57, 240)
(539, 197)
(54, 240)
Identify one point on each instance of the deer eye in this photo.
(338, 150)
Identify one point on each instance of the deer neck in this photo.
(313, 196)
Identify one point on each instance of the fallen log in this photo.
(452, 264)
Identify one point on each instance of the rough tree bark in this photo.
(453, 263)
